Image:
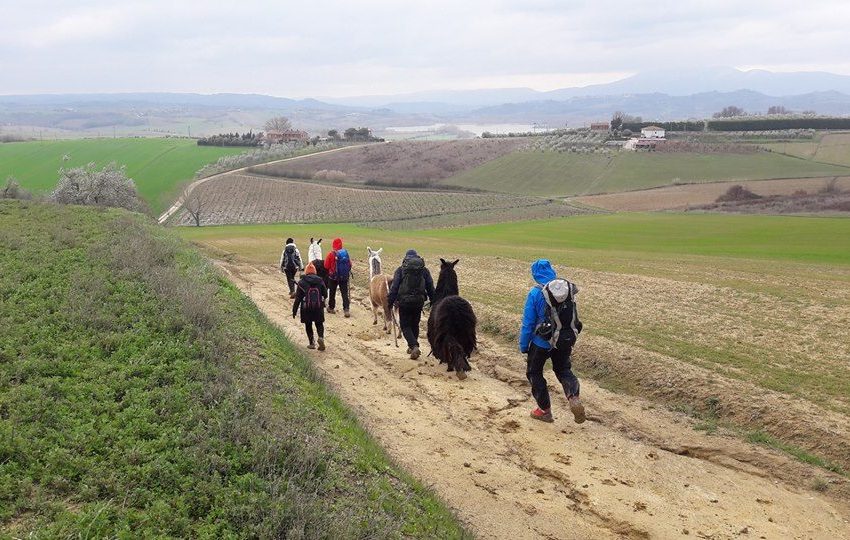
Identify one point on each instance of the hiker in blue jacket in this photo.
(549, 330)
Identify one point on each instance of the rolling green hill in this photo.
(158, 166)
(142, 396)
(567, 174)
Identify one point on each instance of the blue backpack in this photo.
(343, 265)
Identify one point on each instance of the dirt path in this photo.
(178, 204)
(631, 471)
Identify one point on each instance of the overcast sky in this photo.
(356, 47)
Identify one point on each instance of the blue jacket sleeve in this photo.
(529, 321)
(393, 294)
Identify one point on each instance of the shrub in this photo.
(831, 186)
(89, 186)
(332, 175)
(738, 193)
(13, 190)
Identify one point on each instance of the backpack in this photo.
(411, 290)
(560, 325)
(289, 258)
(312, 301)
(343, 265)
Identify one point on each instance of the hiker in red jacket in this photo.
(338, 265)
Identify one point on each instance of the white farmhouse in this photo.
(652, 132)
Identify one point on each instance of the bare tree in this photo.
(193, 202)
(617, 120)
(278, 123)
(89, 185)
(730, 112)
(777, 109)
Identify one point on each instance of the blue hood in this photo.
(542, 272)
(410, 253)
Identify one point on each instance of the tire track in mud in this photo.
(632, 471)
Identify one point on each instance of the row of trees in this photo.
(232, 139)
(352, 134)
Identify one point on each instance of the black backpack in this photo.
(312, 301)
(411, 290)
(289, 258)
(560, 325)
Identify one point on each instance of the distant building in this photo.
(599, 126)
(285, 136)
(652, 132)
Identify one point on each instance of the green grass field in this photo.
(566, 174)
(821, 240)
(158, 166)
(828, 148)
(142, 396)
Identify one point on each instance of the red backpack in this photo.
(313, 300)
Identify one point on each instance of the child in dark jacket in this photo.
(310, 297)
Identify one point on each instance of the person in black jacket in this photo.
(310, 297)
(290, 263)
(412, 285)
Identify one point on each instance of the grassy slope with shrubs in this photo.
(157, 165)
(141, 395)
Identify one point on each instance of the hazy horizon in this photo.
(343, 49)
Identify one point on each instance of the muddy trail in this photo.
(633, 470)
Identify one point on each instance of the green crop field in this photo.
(747, 303)
(142, 396)
(568, 174)
(158, 166)
(829, 148)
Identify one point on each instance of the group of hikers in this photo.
(549, 330)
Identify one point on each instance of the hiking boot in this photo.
(543, 416)
(331, 310)
(346, 313)
(311, 345)
(577, 409)
(414, 353)
(321, 344)
(292, 295)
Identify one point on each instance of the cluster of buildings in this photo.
(286, 136)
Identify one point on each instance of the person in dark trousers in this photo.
(310, 296)
(338, 265)
(412, 285)
(537, 319)
(290, 263)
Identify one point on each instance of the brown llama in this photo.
(379, 288)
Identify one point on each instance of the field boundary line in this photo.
(178, 204)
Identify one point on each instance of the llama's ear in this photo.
(368, 250)
(442, 260)
(379, 251)
(320, 241)
(311, 239)
(455, 262)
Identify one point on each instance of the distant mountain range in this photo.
(657, 95)
(677, 82)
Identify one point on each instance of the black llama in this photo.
(451, 324)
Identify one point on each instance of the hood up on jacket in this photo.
(337, 244)
(410, 253)
(542, 271)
